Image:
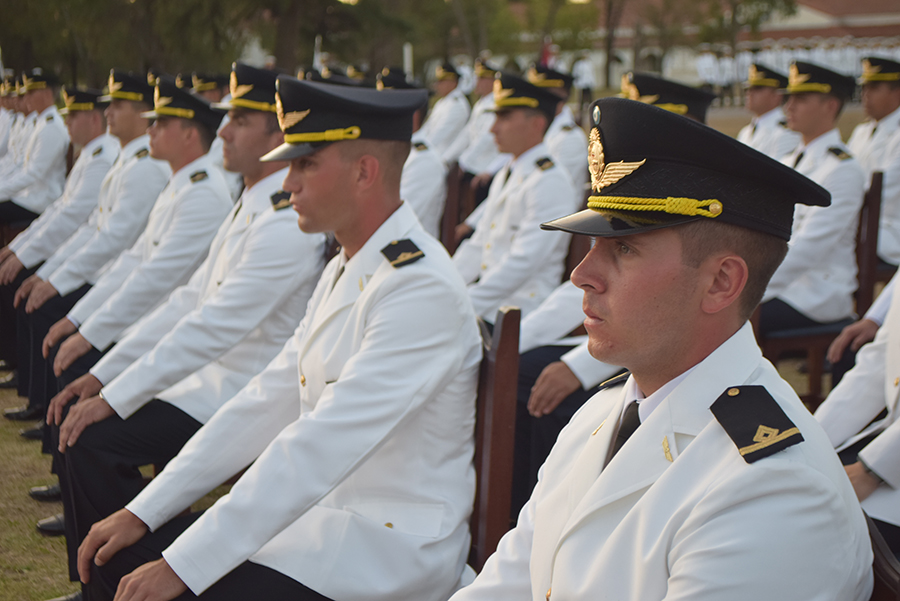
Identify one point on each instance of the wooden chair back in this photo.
(885, 567)
(495, 432)
(451, 217)
(867, 244)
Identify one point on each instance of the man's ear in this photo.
(728, 276)
(368, 170)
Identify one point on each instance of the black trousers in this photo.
(99, 475)
(8, 329)
(36, 378)
(778, 315)
(10, 212)
(246, 582)
(535, 436)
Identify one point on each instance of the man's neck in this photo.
(126, 139)
(809, 138)
(185, 158)
(516, 155)
(355, 236)
(266, 169)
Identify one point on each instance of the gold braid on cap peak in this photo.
(690, 207)
(329, 135)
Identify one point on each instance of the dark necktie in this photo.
(753, 130)
(630, 422)
(872, 135)
(798, 159)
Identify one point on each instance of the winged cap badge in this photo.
(499, 92)
(114, 86)
(160, 100)
(238, 90)
(795, 78)
(602, 174)
(289, 120)
(67, 100)
(869, 69)
(631, 92)
(754, 73)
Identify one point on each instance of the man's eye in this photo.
(623, 248)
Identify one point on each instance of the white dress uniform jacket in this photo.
(223, 327)
(475, 148)
(80, 196)
(818, 275)
(769, 135)
(19, 135)
(876, 145)
(678, 513)
(509, 260)
(448, 117)
(180, 228)
(127, 195)
(40, 179)
(424, 184)
(361, 432)
(568, 146)
(849, 412)
(6, 120)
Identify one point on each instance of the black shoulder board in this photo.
(199, 176)
(544, 163)
(568, 127)
(614, 381)
(402, 252)
(49, 118)
(755, 422)
(143, 152)
(839, 153)
(420, 146)
(98, 151)
(280, 200)
(783, 124)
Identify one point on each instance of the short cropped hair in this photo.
(207, 135)
(391, 155)
(762, 252)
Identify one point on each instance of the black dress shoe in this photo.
(76, 596)
(24, 414)
(36, 433)
(52, 526)
(47, 494)
(10, 380)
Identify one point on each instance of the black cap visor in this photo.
(287, 152)
(609, 224)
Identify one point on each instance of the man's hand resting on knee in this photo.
(154, 581)
(106, 538)
(83, 388)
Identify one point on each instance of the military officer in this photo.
(27, 191)
(816, 281)
(509, 260)
(875, 143)
(127, 195)
(214, 88)
(370, 405)
(700, 475)
(860, 418)
(19, 260)
(475, 148)
(566, 141)
(180, 228)
(450, 112)
(423, 183)
(7, 115)
(20, 130)
(181, 362)
(767, 131)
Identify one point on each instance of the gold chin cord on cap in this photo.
(689, 207)
(330, 135)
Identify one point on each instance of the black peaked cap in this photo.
(77, 99)
(652, 169)
(808, 77)
(127, 86)
(250, 88)
(171, 101)
(761, 76)
(666, 94)
(313, 115)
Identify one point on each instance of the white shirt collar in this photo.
(646, 405)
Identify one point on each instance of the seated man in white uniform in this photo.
(767, 131)
(564, 138)
(423, 184)
(816, 281)
(450, 113)
(875, 143)
(509, 261)
(359, 432)
(28, 190)
(145, 398)
(700, 475)
(860, 418)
